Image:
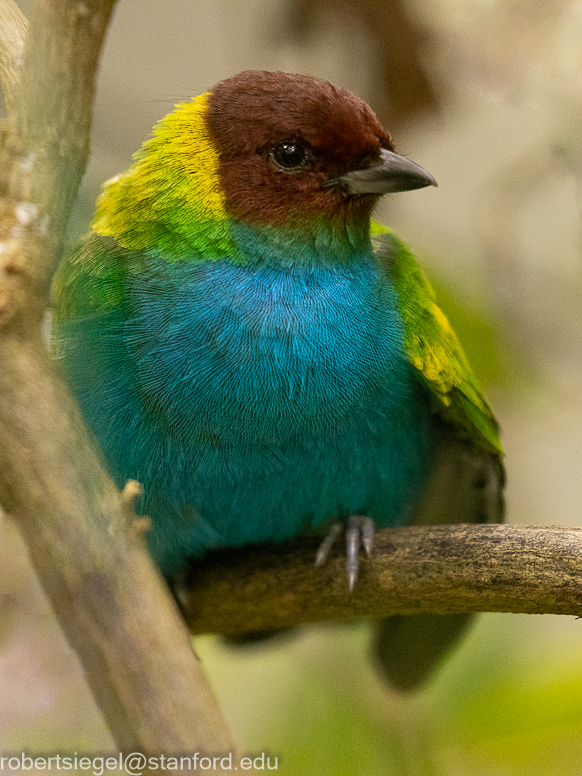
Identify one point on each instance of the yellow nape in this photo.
(173, 180)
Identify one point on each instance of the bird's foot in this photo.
(359, 533)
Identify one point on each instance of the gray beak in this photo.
(392, 173)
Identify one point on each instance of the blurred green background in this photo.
(487, 95)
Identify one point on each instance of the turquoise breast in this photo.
(256, 403)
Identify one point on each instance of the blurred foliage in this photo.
(403, 88)
(479, 334)
(490, 710)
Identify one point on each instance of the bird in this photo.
(265, 358)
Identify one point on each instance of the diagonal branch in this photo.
(447, 568)
(110, 600)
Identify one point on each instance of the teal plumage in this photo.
(243, 342)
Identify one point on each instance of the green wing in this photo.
(467, 479)
(90, 280)
(433, 347)
(88, 309)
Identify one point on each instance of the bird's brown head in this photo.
(295, 146)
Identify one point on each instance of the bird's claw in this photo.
(326, 545)
(359, 533)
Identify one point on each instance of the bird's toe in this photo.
(359, 533)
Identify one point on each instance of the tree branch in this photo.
(109, 598)
(12, 34)
(450, 568)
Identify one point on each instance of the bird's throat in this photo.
(317, 243)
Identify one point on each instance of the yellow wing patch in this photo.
(432, 345)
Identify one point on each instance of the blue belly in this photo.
(256, 403)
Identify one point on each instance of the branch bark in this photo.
(12, 35)
(92, 563)
(441, 569)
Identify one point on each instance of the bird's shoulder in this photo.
(432, 346)
(90, 280)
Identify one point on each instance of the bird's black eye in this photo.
(291, 155)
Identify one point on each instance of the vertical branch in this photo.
(12, 34)
(80, 532)
(45, 142)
